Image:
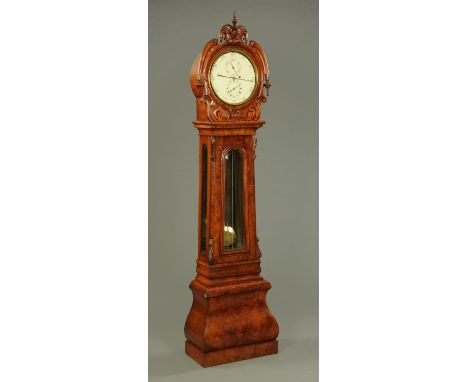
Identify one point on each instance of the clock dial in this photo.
(233, 78)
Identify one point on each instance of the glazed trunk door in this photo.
(234, 216)
(204, 195)
(203, 198)
(237, 200)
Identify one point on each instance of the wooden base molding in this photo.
(239, 353)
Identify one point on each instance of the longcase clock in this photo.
(229, 319)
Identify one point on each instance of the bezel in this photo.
(252, 62)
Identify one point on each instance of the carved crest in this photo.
(234, 32)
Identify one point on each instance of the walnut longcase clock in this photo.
(229, 319)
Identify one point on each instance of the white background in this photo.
(393, 191)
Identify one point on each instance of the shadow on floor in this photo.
(291, 351)
(165, 364)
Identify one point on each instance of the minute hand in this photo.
(242, 79)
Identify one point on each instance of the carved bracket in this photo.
(210, 252)
(213, 141)
(254, 138)
(259, 253)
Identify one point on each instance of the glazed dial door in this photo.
(233, 78)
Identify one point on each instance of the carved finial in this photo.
(233, 32)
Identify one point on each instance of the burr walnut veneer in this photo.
(229, 319)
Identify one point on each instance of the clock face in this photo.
(233, 78)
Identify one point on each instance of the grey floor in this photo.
(296, 361)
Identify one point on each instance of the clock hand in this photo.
(235, 87)
(232, 66)
(242, 79)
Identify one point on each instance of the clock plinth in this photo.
(229, 320)
(239, 353)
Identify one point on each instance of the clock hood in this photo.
(209, 107)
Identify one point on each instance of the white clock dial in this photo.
(233, 78)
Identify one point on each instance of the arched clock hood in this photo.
(209, 107)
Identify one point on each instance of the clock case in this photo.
(229, 319)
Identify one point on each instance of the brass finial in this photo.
(234, 19)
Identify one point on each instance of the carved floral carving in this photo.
(219, 113)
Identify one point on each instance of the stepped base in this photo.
(219, 357)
